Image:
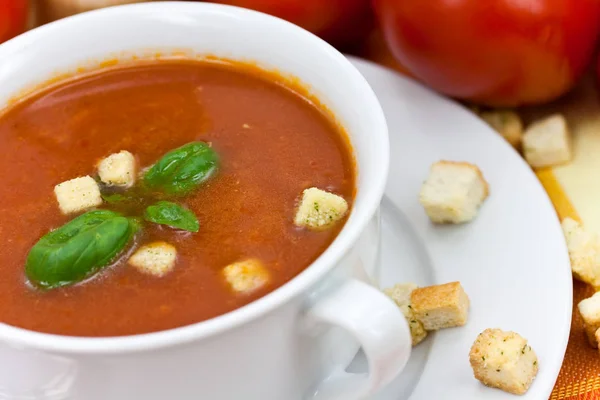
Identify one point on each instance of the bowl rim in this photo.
(252, 311)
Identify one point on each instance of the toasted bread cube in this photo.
(453, 192)
(320, 209)
(246, 276)
(584, 252)
(507, 123)
(589, 309)
(400, 293)
(77, 194)
(118, 169)
(156, 259)
(503, 360)
(440, 306)
(547, 143)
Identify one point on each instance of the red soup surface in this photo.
(272, 140)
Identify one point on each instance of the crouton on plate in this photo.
(400, 293)
(246, 276)
(319, 209)
(547, 142)
(584, 252)
(77, 194)
(156, 259)
(589, 309)
(440, 306)
(118, 169)
(453, 192)
(507, 123)
(503, 360)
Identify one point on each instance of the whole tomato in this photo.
(341, 22)
(495, 52)
(13, 18)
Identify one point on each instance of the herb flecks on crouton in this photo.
(78, 194)
(118, 169)
(503, 360)
(400, 293)
(319, 209)
(440, 306)
(157, 259)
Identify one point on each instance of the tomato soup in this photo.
(272, 142)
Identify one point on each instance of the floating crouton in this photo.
(320, 209)
(440, 306)
(584, 252)
(507, 123)
(118, 169)
(156, 259)
(503, 360)
(246, 276)
(589, 309)
(77, 194)
(400, 293)
(547, 142)
(453, 192)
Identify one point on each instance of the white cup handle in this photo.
(378, 326)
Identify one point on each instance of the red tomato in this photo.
(495, 52)
(13, 18)
(340, 22)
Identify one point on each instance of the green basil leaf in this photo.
(173, 215)
(78, 249)
(182, 170)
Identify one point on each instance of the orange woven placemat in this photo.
(579, 376)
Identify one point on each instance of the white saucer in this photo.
(512, 260)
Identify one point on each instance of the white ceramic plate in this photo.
(512, 260)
